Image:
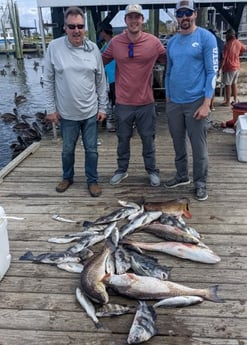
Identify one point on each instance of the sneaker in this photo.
(173, 182)
(154, 179)
(94, 190)
(118, 177)
(63, 185)
(201, 193)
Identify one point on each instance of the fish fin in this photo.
(212, 296)
(187, 214)
(27, 256)
(105, 277)
(132, 247)
(98, 325)
(132, 276)
(87, 224)
(109, 244)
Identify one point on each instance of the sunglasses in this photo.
(131, 50)
(187, 13)
(78, 26)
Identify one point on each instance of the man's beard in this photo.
(185, 24)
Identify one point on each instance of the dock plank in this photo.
(37, 301)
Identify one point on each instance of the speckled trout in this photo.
(92, 274)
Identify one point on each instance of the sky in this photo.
(28, 13)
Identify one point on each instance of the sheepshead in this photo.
(85, 254)
(63, 239)
(169, 233)
(73, 267)
(69, 239)
(146, 266)
(129, 204)
(143, 327)
(140, 220)
(88, 306)
(193, 252)
(122, 260)
(142, 287)
(92, 274)
(64, 220)
(115, 236)
(178, 301)
(89, 226)
(109, 229)
(139, 209)
(120, 213)
(137, 213)
(85, 242)
(51, 258)
(110, 264)
(179, 223)
(110, 309)
(176, 207)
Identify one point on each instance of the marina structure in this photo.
(220, 14)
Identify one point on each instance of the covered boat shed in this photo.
(231, 11)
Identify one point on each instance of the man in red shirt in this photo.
(230, 66)
(135, 53)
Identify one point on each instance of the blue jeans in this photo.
(70, 131)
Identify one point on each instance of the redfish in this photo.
(144, 288)
(176, 207)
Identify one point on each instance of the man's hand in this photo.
(101, 116)
(203, 110)
(53, 117)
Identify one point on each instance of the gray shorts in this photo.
(230, 78)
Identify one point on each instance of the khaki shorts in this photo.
(230, 78)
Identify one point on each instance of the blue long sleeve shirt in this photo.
(192, 65)
(110, 67)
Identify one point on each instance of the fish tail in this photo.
(109, 244)
(212, 294)
(87, 224)
(27, 256)
(98, 325)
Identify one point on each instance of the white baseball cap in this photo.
(185, 4)
(133, 9)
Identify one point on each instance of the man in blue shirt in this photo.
(105, 35)
(192, 65)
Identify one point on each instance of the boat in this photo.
(7, 42)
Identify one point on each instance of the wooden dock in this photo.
(37, 301)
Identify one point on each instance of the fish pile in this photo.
(122, 265)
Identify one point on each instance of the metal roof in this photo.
(90, 3)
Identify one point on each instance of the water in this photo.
(26, 82)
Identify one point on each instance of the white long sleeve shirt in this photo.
(74, 80)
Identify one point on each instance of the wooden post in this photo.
(91, 29)
(18, 29)
(154, 22)
(4, 35)
(14, 20)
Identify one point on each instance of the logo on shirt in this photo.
(195, 44)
